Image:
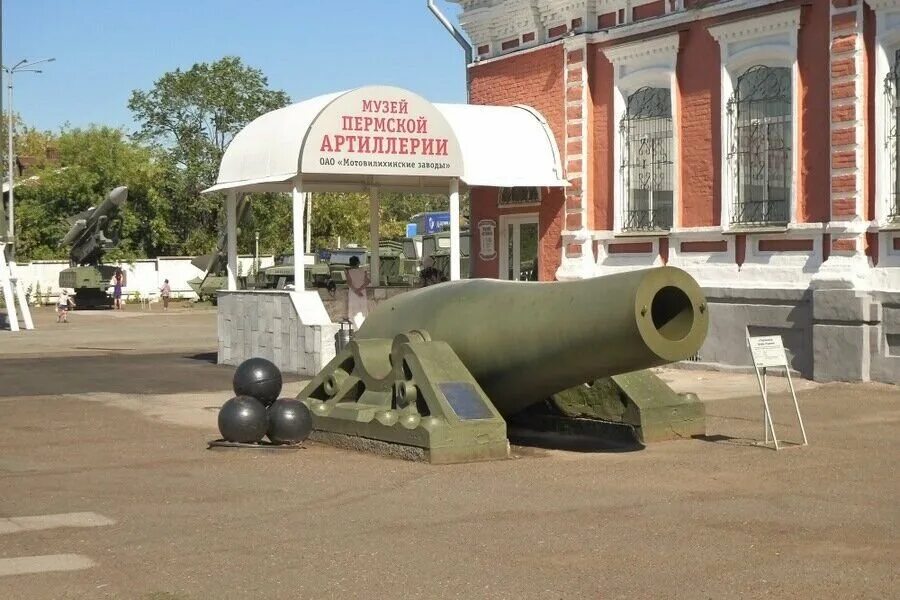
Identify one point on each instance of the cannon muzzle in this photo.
(523, 342)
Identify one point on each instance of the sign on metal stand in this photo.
(768, 351)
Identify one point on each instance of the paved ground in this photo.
(109, 492)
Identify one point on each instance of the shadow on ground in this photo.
(115, 373)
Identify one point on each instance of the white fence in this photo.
(143, 276)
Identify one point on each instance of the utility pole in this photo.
(23, 66)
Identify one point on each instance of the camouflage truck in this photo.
(437, 247)
(400, 264)
(281, 274)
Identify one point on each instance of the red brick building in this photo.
(752, 143)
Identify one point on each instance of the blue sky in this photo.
(104, 49)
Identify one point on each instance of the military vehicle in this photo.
(88, 241)
(339, 262)
(399, 264)
(215, 265)
(281, 274)
(437, 247)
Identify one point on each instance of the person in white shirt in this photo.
(164, 292)
(357, 296)
(62, 306)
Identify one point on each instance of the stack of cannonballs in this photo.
(256, 411)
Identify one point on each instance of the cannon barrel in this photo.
(524, 341)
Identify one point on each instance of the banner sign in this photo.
(382, 130)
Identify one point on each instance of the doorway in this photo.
(519, 240)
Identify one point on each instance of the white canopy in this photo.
(499, 146)
(380, 137)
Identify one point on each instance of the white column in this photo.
(374, 224)
(231, 238)
(308, 202)
(454, 229)
(299, 256)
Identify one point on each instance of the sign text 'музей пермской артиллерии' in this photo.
(382, 134)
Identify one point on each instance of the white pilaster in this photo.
(454, 230)
(231, 238)
(297, 202)
(375, 237)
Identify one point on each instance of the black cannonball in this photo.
(259, 378)
(289, 421)
(243, 419)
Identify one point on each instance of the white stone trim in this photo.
(649, 62)
(486, 21)
(752, 29)
(477, 62)
(770, 40)
(887, 42)
(574, 44)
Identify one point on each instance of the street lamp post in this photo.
(23, 66)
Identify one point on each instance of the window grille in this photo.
(892, 135)
(516, 196)
(646, 160)
(760, 146)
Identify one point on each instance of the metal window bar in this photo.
(760, 146)
(892, 135)
(646, 160)
(519, 195)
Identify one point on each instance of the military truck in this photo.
(329, 268)
(437, 247)
(88, 241)
(281, 274)
(399, 262)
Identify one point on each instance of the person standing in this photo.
(164, 292)
(429, 274)
(62, 306)
(118, 282)
(358, 294)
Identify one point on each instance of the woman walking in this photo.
(164, 292)
(118, 282)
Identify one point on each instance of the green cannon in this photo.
(434, 373)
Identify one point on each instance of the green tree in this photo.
(192, 116)
(93, 161)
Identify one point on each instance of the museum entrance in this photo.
(519, 242)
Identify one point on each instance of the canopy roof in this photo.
(394, 139)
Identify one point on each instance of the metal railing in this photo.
(892, 136)
(760, 146)
(645, 135)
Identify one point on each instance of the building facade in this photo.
(753, 143)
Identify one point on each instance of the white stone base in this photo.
(292, 329)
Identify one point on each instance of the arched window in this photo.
(646, 155)
(760, 148)
(892, 135)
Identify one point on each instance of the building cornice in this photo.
(663, 46)
(493, 22)
(884, 4)
(746, 29)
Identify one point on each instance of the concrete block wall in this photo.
(830, 334)
(267, 325)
